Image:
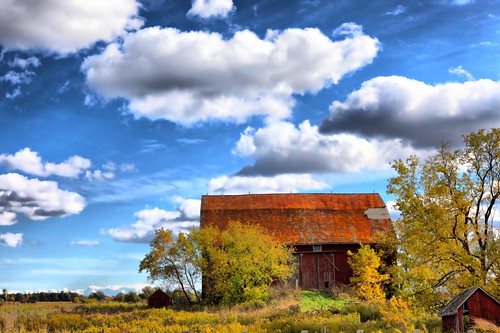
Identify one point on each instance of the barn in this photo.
(470, 304)
(159, 299)
(321, 228)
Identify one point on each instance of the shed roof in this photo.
(451, 308)
(298, 219)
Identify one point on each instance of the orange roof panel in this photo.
(303, 218)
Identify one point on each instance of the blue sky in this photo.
(116, 116)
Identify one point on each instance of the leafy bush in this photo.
(368, 311)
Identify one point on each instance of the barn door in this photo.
(327, 270)
(317, 270)
(308, 270)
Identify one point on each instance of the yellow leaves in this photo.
(366, 279)
(241, 262)
(397, 314)
(447, 204)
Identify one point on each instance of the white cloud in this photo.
(113, 289)
(99, 175)
(461, 2)
(127, 167)
(109, 171)
(6, 217)
(211, 8)
(276, 184)
(393, 211)
(189, 77)
(64, 26)
(190, 208)
(148, 220)
(84, 243)
(283, 148)
(25, 63)
(30, 162)
(460, 71)
(35, 199)
(17, 78)
(16, 92)
(421, 114)
(11, 240)
(400, 9)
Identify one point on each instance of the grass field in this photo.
(307, 311)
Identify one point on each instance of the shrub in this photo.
(368, 311)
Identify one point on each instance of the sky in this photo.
(117, 116)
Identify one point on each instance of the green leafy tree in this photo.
(446, 236)
(5, 294)
(120, 297)
(146, 292)
(175, 262)
(131, 297)
(367, 280)
(241, 262)
(97, 295)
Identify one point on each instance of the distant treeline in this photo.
(130, 297)
(44, 297)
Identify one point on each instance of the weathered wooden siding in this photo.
(483, 306)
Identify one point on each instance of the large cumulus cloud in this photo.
(418, 113)
(188, 77)
(64, 26)
(35, 199)
(282, 147)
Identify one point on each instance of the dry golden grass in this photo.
(485, 326)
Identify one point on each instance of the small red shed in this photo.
(159, 299)
(470, 304)
(320, 227)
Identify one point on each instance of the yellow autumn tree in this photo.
(367, 280)
(447, 238)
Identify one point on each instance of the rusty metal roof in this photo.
(297, 219)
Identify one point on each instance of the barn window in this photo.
(317, 248)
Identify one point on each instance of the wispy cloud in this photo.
(400, 9)
(84, 243)
(460, 71)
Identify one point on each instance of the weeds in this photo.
(311, 311)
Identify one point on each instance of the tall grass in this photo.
(311, 311)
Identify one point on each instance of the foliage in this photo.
(366, 279)
(97, 295)
(241, 262)
(368, 311)
(146, 292)
(446, 237)
(176, 262)
(131, 297)
(120, 297)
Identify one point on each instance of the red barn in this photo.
(159, 299)
(470, 304)
(320, 227)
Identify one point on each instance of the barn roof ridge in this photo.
(451, 308)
